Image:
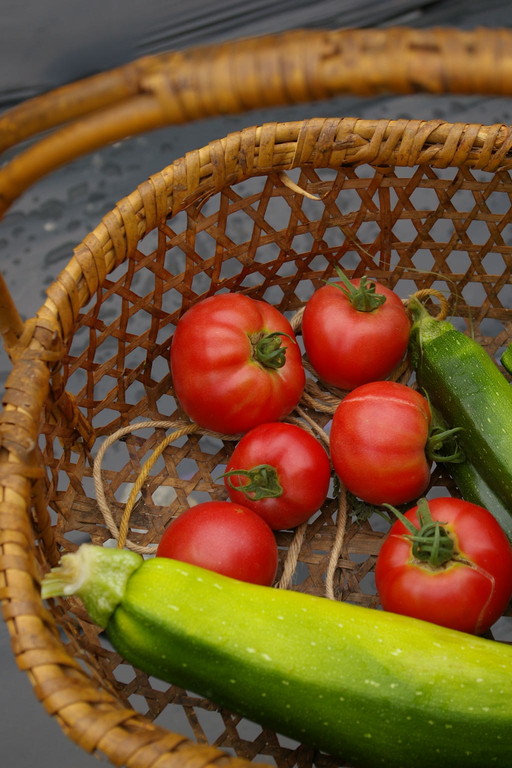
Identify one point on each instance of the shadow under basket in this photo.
(270, 212)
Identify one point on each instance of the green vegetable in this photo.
(506, 358)
(468, 389)
(473, 488)
(369, 687)
(469, 482)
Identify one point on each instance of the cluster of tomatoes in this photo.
(238, 369)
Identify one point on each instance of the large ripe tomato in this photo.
(235, 363)
(354, 331)
(460, 577)
(281, 472)
(223, 537)
(378, 440)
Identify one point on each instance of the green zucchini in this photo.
(506, 358)
(466, 386)
(366, 686)
(470, 484)
(472, 487)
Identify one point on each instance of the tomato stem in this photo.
(431, 542)
(263, 482)
(363, 296)
(268, 350)
(438, 439)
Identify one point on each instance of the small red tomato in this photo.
(354, 331)
(459, 576)
(235, 363)
(281, 472)
(223, 537)
(378, 440)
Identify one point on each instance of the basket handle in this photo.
(236, 77)
(294, 67)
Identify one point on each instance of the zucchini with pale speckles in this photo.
(466, 386)
(472, 487)
(369, 687)
(470, 484)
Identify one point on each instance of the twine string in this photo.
(426, 293)
(341, 524)
(121, 534)
(292, 557)
(186, 429)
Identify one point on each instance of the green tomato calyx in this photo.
(431, 541)
(442, 447)
(268, 349)
(263, 482)
(362, 297)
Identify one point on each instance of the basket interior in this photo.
(410, 228)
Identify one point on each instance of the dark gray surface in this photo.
(44, 45)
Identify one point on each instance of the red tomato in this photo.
(235, 363)
(350, 338)
(282, 473)
(223, 537)
(467, 591)
(378, 440)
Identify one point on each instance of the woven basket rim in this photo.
(271, 147)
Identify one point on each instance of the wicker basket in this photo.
(268, 211)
